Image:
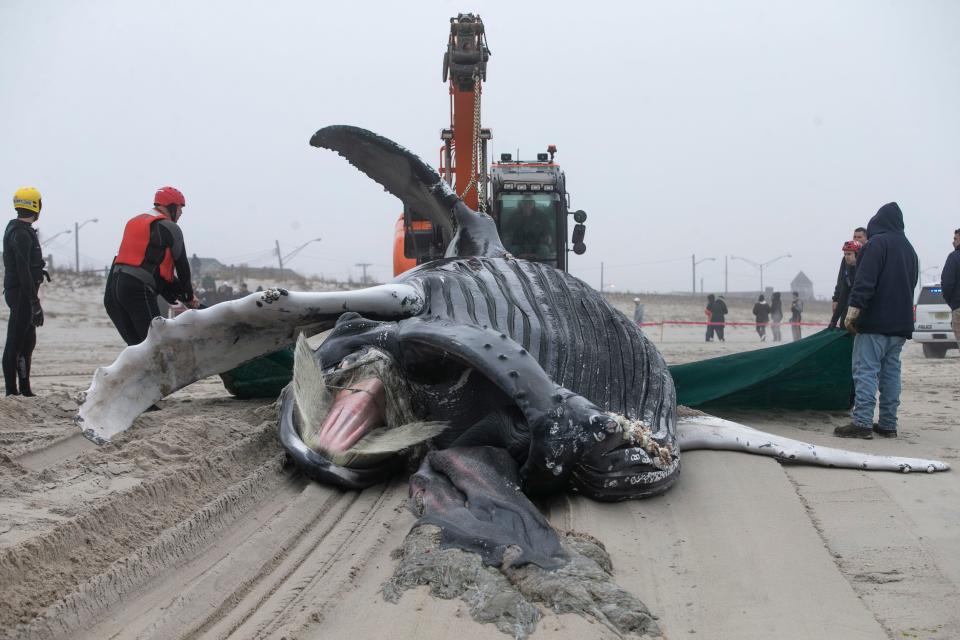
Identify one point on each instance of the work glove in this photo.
(36, 313)
(850, 321)
(46, 274)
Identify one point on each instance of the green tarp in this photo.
(264, 377)
(813, 373)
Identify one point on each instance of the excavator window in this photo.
(528, 225)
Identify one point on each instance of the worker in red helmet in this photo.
(152, 261)
(850, 250)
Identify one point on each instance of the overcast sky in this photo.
(753, 129)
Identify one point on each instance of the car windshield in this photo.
(528, 225)
(931, 295)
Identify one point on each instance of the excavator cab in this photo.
(530, 204)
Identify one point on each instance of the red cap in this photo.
(852, 245)
(166, 196)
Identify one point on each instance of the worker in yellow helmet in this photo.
(23, 272)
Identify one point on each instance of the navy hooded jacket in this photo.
(950, 279)
(887, 271)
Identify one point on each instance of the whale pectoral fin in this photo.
(200, 343)
(402, 173)
(398, 170)
(708, 432)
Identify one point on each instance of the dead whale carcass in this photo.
(503, 352)
(522, 375)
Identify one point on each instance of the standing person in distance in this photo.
(796, 315)
(950, 283)
(859, 235)
(881, 314)
(761, 311)
(842, 294)
(152, 261)
(719, 317)
(708, 312)
(776, 316)
(23, 273)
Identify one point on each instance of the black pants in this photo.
(131, 305)
(21, 339)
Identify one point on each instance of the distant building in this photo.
(802, 285)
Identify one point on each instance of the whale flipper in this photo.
(402, 173)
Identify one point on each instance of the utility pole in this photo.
(601, 270)
(280, 260)
(726, 274)
(364, 265)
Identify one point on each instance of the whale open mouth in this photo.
(359, 412)
(356, 411)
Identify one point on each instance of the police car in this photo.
(931, 322)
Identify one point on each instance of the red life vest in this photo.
(136, 241)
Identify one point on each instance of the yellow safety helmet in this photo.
(27, 198)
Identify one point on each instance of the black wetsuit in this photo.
(131, 293)
(23, 272)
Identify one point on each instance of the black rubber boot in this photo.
(853, 431)
(23, 376)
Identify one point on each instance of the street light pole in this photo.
(694, 262)
(281, 258)
(53, 237)
(761, 265)
(76, 239)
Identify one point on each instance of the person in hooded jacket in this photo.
(761, 311)
(950, 283)
(880, 312)
(718, 317)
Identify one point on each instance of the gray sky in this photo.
(734, 128)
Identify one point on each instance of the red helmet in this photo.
(166, 196)
(852, 245)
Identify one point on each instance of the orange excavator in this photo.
(527, 199)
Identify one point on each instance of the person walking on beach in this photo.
(719, 317)
(708, 312)
(761, 311)
(24, 271)
(950, 283)
(152, 260)
(796, 315)
(880, 312)
(776, 316)
(842, 295)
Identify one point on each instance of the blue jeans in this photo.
(876, 365)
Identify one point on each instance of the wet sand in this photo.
(190, 525)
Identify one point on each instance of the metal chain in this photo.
(481, 188)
